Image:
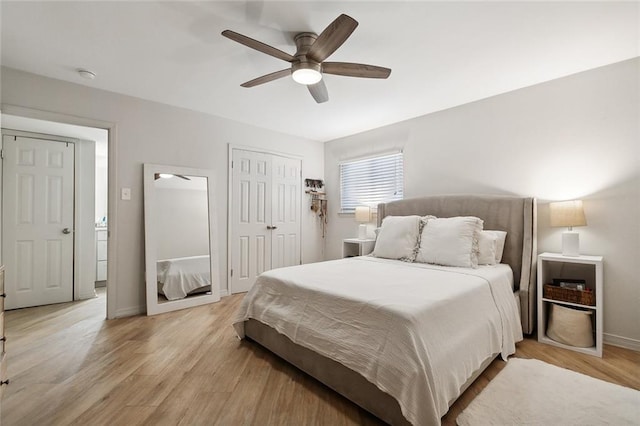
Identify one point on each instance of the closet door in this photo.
(250, 218)
(285, 236)
(265, 215)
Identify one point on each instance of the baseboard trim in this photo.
(84, 296)
(137, 310)
(130, 311)
(623, 342)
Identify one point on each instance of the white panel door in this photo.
(250, 218)
(38, 202)
(285, 236)
(265, 215)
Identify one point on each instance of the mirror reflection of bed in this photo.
(183, 229)
(179, 237)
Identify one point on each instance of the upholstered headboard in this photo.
(515, 215)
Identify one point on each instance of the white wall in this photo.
(150, 132)
(575, 137)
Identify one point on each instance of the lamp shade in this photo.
(363, 214)
(567, 213)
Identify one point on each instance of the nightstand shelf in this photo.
(356, 247)
(587, 268)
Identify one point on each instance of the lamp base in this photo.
(362, 232)
(570, 243)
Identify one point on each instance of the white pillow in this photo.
(450, 241)
(487, 242)
(398, 238)
(501, 238)
(427, 218)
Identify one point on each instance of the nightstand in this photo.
(357, 247)
(585, 268)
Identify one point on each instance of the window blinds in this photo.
(370, 181)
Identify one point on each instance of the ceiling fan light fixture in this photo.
(306, 72)
(306, 76)
(165, 175)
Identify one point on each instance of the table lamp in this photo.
(363, 216)
(570, 214)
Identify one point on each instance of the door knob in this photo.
(66, 231)
(272, 227)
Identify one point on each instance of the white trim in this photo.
(230, 149)
(150, 238)
(265, 151)
(370, 156)
(358, 180)
(81, 263)
(623, 342)
(112, 182)
(128, 312)
(1, 162)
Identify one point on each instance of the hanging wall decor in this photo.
(315, 188)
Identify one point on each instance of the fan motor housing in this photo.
(304, 42)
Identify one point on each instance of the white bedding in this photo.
(416, 331)
(179, 276)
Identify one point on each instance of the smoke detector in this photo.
(89, 75)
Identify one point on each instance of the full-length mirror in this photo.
(180, 238)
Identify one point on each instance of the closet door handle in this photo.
(272, 227)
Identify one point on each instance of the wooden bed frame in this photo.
(515, 215)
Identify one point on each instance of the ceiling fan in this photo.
(307, 65)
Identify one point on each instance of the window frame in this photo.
(373, 204)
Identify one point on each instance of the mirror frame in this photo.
(150, 239)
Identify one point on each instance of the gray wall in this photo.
(575, 137)
(150, 132)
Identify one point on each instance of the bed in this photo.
(369, 342)
(182, 276)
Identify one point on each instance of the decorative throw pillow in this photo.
(398, 238)
(450, 241)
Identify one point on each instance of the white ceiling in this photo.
(442, 54)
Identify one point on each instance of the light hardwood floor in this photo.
(68, 365)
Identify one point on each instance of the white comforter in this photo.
(180, 276)
(416, 331)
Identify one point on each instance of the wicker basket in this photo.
(564, 294)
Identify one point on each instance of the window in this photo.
(370, 181)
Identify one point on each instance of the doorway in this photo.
(38, 220)
(265, 215)
(89, 208)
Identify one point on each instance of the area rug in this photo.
(532, 392)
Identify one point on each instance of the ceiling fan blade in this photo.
(355, 70)
(183, 177)
(319, 91)
(332, 37)
(267, 78)
(258, 45)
